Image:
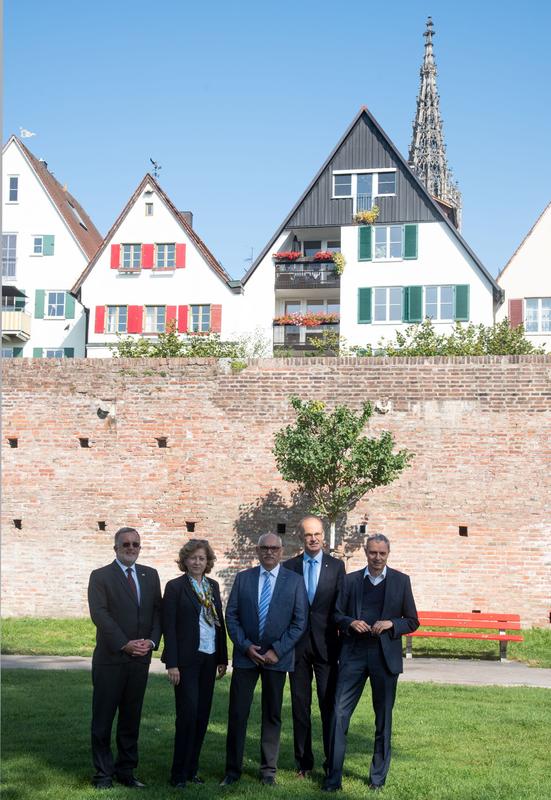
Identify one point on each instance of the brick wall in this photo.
(480, 429)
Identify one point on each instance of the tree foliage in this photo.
(326, 454)
(195, 345)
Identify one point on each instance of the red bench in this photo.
(499, 623)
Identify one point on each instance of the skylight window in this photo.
(77, 215)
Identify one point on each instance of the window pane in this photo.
(333, 307)
(343, 185)
(380, 242)
(334, 245)
(292, 307)
(365, 184)
(9, 245)
(531, 320)
(395, 303)
(14, 189)
(395, 241)
(446, 302)
(380, 312)
(311, 248)
(315, 307)
(545, 314)
(37, 246)
(387, 183)
(431, 302)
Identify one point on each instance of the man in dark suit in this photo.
(125, 606)
(266, 616)
(374, 610)
(317, 652)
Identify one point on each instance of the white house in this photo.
(47, 240)
(153, 269)
(526, 281)
(411, 263)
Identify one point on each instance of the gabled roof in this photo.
(180, 218)
(75, 217)
(419, 185)
(521, 245)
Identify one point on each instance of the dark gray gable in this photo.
(363, 147)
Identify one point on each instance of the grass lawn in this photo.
(449, 743)
(75, 637)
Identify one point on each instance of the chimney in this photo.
(188, 216)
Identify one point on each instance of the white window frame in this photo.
(387, 256)
(203, 316)
(6, 259)
(157, 325)
(149, 209)
(116, 319)
(354, 184)
(16, 179)
(324, 245)
(6, 354)
(165, 245)
(539, 309)
(47, 294)
(35, 240)
(135, 248)
(54, 350)
(387, 304)
(439, 287)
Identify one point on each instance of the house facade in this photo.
(526, 281)
(404, 259)
(47, 241)
(153, 272)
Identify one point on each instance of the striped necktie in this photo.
(264, 603)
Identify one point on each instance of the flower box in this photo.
(308, 320)
(289, 255)
(323, 255)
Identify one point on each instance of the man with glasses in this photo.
(266, 616)
(125, 606)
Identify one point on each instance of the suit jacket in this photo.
(285, 624)
(399, 607)
(322, 629)
(181, 612)
(117, 615)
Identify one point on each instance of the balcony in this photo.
(305, 273)
(299, 338)
(16, 324)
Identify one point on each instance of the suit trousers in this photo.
(308, 664)
(122, 687)
(243, 682)
(193, 697)
(364, 660)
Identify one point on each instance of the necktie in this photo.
(311, 580)
(131, 582)
(264, 603)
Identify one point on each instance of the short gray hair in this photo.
(265, 535)
(378, 537)
(122, 531)
(300, 526)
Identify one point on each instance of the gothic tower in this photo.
(427, 153)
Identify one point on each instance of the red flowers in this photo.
(309, 320)
(288, 255)
(323, 255)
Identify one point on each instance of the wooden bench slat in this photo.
(443, 622)
(468, 615)
(465, 635)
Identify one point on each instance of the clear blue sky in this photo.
(241, 102)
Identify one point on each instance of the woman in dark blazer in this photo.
(195, 653)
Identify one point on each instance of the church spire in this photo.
(427, 153)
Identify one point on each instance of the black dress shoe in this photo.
(375, 787)
(303, 773)
(197, 779)
(228, 780)
(130, 782)
(268, 780)
(177, 784)
(331, 787)
(107, 783)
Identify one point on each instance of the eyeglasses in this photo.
(128, 545)
(265, 549)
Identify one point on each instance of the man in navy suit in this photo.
(266, 616)
(125, 606)
(317, 652)
(374, 610)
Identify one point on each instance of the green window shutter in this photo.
(37, 352)
(410, 241)
(19, 303)
(461, 311)
(364, 305)
(48, 245)
(17, 352)
(364, 243)
(69, 352)
(413, 304)
(69, 306)
(39, 304)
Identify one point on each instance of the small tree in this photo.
(326, 454)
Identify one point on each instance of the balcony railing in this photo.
(364, 202)
(16, 323)
(306, 274)
(300, 337)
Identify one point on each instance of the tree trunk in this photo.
(332, 537)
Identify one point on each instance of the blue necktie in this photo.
(311, 580)
(264, 603)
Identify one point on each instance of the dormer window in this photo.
(363, 186)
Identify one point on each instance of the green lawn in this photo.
(450, 743)
(70, 637)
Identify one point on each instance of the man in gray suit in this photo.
(267, 614)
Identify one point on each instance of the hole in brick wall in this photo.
(476, 611)
(102, 525)
(190, 527)
(162, 441)
(362, 528)
(84, 441)
(463, 530)
(18, 523)
(13, 442)
(281, 528)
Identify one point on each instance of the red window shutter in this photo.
(135, 319)
(515, 313)
(180, 255)
(147, 256)
(170, 317)
(115, 256)
(99, 326)
(216, 319)
(182, 319)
